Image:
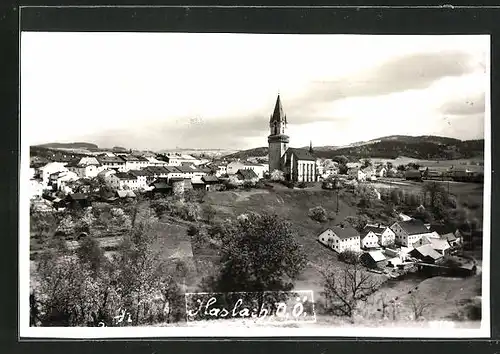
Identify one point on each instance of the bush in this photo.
(318, 214)
(349, 257)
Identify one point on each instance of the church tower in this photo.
(278, 140)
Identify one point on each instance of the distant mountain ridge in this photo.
(75, 145)
(418, 147)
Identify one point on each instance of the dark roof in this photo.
(377, 230)
(138, 173)
(450, 237)
(157, 170)
(125, 176)
(247, 174)
(186, 169)
(109, 159)
(278, 114)
(210, 178)
(346, 231)
(413, 173)
(427, 251)
(301, 154)
(413, 227)
(171, 169)
(442, 229)
(129, 158)
(77, 196)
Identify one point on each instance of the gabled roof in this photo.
(125, 176)
(346, 231)
(439, 244)
(301, 154)
(377, 230)
(247, 174)
(449, 237)
(278, 113)
(442, 229)
(185, 169)
(377, 255)
(109, 159)
(413, 227)
(139, 173)
(428, 251)
(210, 178)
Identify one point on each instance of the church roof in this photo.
(278, 114)
(301, 154)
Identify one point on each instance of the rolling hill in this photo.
(76, 145)
(418, 147)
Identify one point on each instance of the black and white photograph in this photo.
(243, 185)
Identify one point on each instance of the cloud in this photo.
(410, 72)
(464, 106)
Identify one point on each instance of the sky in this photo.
(157, 91)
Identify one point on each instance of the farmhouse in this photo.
(438, 244)
(446, 232)
(368, 239)
(247, 175)
(341, 238)
(373, 259)
(384, 234)
(357, 174)
(426, 254)
(410, 231)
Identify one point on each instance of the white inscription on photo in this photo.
(174, 184)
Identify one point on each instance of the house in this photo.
(59, 180)
(180, 185)
(341, 238)
(246, 175)
(357, 174)
(381, 171)
(404, 217)
(161, 185)
(125, 194)
(413, 175)
(123, 180)
(410, 231)
(112, 162)
(142, 178)
(368, 239)
(153, 161)
(373, 259)
(134, 162)
(198, 182)
(426, 254)
(438, 244)
(384, 234)
(78, 200)
(446, 232)
(86, 167)
(212, 183)
(50, 168)
(176, 159)
(369, 173)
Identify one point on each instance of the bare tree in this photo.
(418, 306)
(345, 287)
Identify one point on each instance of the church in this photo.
(297, 165)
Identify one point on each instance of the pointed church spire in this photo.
(278, 114)
(311, 146)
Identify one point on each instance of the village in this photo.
(393, 217)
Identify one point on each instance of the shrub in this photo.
(349, 257)
(318, 214)
(277, 176)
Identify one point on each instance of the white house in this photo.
(59, 180)
(142, 178)
(357, 174)
(381, 171)
(410, 231)
(385, 235)
(50, 168)
(134, 162)
(368, 239)
(123, 180)
(341, 238)
(112, 162)
(176, 159)
(438, 244)
(234, 166)
(221, 170)
(87, 167)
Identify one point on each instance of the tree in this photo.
(358, 221)
(342, 160)
(343, 169)
(89, 252)
(344, 287)
(348, 256)
(401, 168)
(260, 253)
(318, 214)
(209, 212)
(277, 176)
(418, 306)
(367, 163)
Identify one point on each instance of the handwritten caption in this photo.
(122, 318)
(279, 306)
